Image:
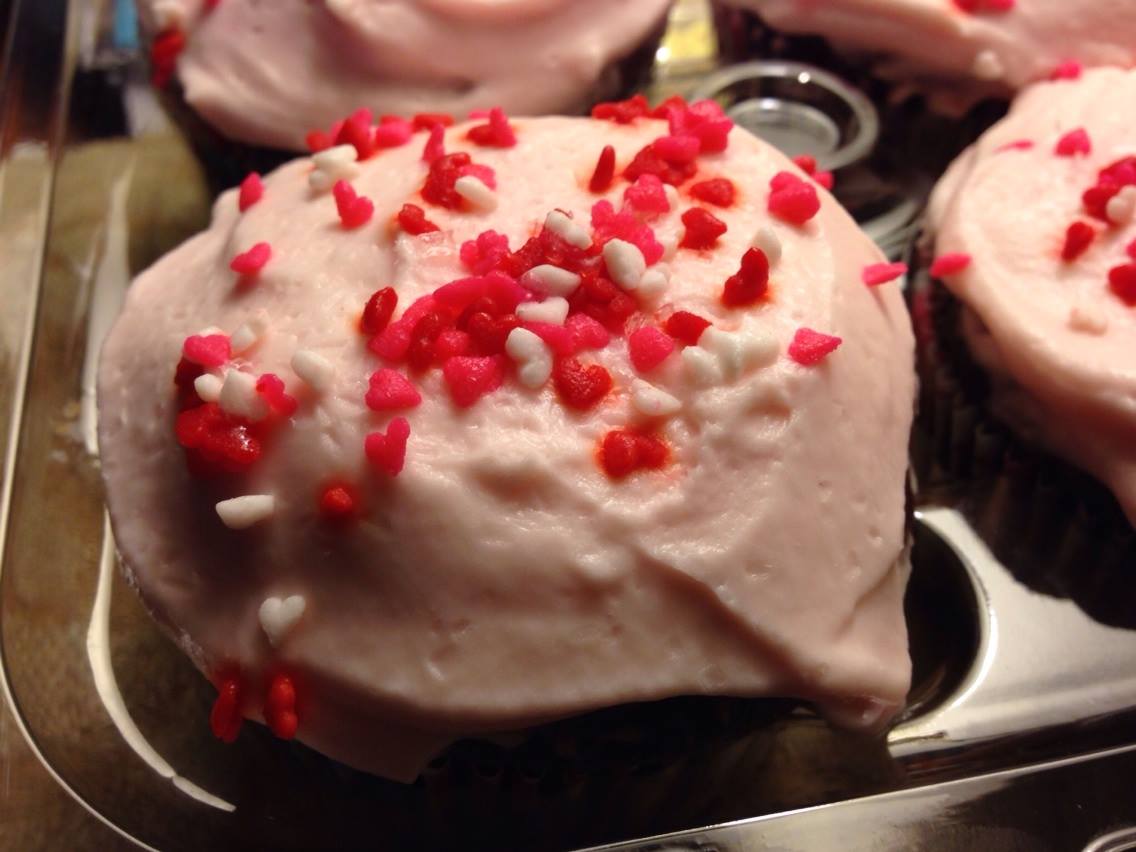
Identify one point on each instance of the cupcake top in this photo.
(268, 73)
(1036, 223)
(514, 420)
(1001, 44)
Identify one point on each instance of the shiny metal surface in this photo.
(1022, 721)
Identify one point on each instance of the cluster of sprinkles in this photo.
(532, 314)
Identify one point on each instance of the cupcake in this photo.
(1034, 250)
(266, 75)
(988, 46)
(521, 420)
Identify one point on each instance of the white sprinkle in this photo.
(532, 355)
(332, 164)
(671, 194)
(767, 240)
(554, 310)
(239, 397)
(475, 191)
(702, 366)
(736, 351)
(238, 513)
(244, 338)
(551, 280)
(1088, 319)
(279, 615)
(169, 14)
(561, 224)
(625, 263)
(210, 330)
(313, 368)
(987, 66)
(669, 242)
(652, 401)
(654, 282)
(208, 387)
(1121, 206)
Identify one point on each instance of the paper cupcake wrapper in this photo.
(1055, 528)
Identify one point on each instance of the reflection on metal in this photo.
(1116, 841)
(102, 669)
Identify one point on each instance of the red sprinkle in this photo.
(1017, 145)
(444, 173)
(280, 707)
(497, 133)
(648, 348)
(677, 149)
(390, 390)
(811, 347)
(337, 503)
(647, 195)
(1131, 249)
(392, 132)
(318, 140)
(471, 377)
(717, 191)
(251, 261)
(420, 352)
(430, 120)
(604, 171)
(1110, 180)
(649, 162)
(356, 131)
(686, 327)
(379, 310)
(586, 332)
(624, 451)
(354, 210)
(1122, 282)
(164, 52)
(225, 718)
(949, 264)
(271, 387)
(435, 146)
(622, 112)
(252, 190)
(451, 343)
(791, 199)
(1073, 143)
(1078, 237)
(412, 219)
(702, 229)
(215, 442)
(750, 283)
(387, 452)
(875, 274)
(1070, 69)
(210, 350)
(825, 179)
(806, 163)
(580, 387)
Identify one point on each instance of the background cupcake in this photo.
(514, 422)
(1034, 246)
(268, 74)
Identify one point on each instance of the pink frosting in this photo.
(267, 73)
(935, 38)
(502, 579)
(1052, 331)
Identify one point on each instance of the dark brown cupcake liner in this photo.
(915, 140)
(227, 161)
(1057, 529)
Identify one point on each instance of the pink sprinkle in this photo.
(949, 264)
(498, 133)
(1070, 69)
(470, 378)
(458, 294)
(587, 333)
(389, 389)
(825, 179)
(271, 387)
(393, 132)
(1074, 142)
(485, 253)
(791, 199)
(1017, 145)
(451, 343)
(875, 274)
(505, 290)
(387, 453)
(209, 350)
(392, 342)
(251, 261)
(252, 190)
(435, 145)
(649, 347)
(354, 210)
(677, 149)
(647, 195)
(624, 225)
(811, 347)
(557, 337)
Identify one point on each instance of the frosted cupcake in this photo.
(521, 419)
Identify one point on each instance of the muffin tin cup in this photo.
(1057, 529)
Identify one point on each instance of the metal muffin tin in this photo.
(1021, 729)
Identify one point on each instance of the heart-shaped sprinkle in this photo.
(208, 350)
(390, 390)
(810, 347)
(278, 616)
(280, 707)
(648, 348)
(469, 378)
(875, 274)
(251, 261)
(251, 191)
(580, 387)
(387, 452)
(1075, 142)
(354, 210)
(587, 333)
